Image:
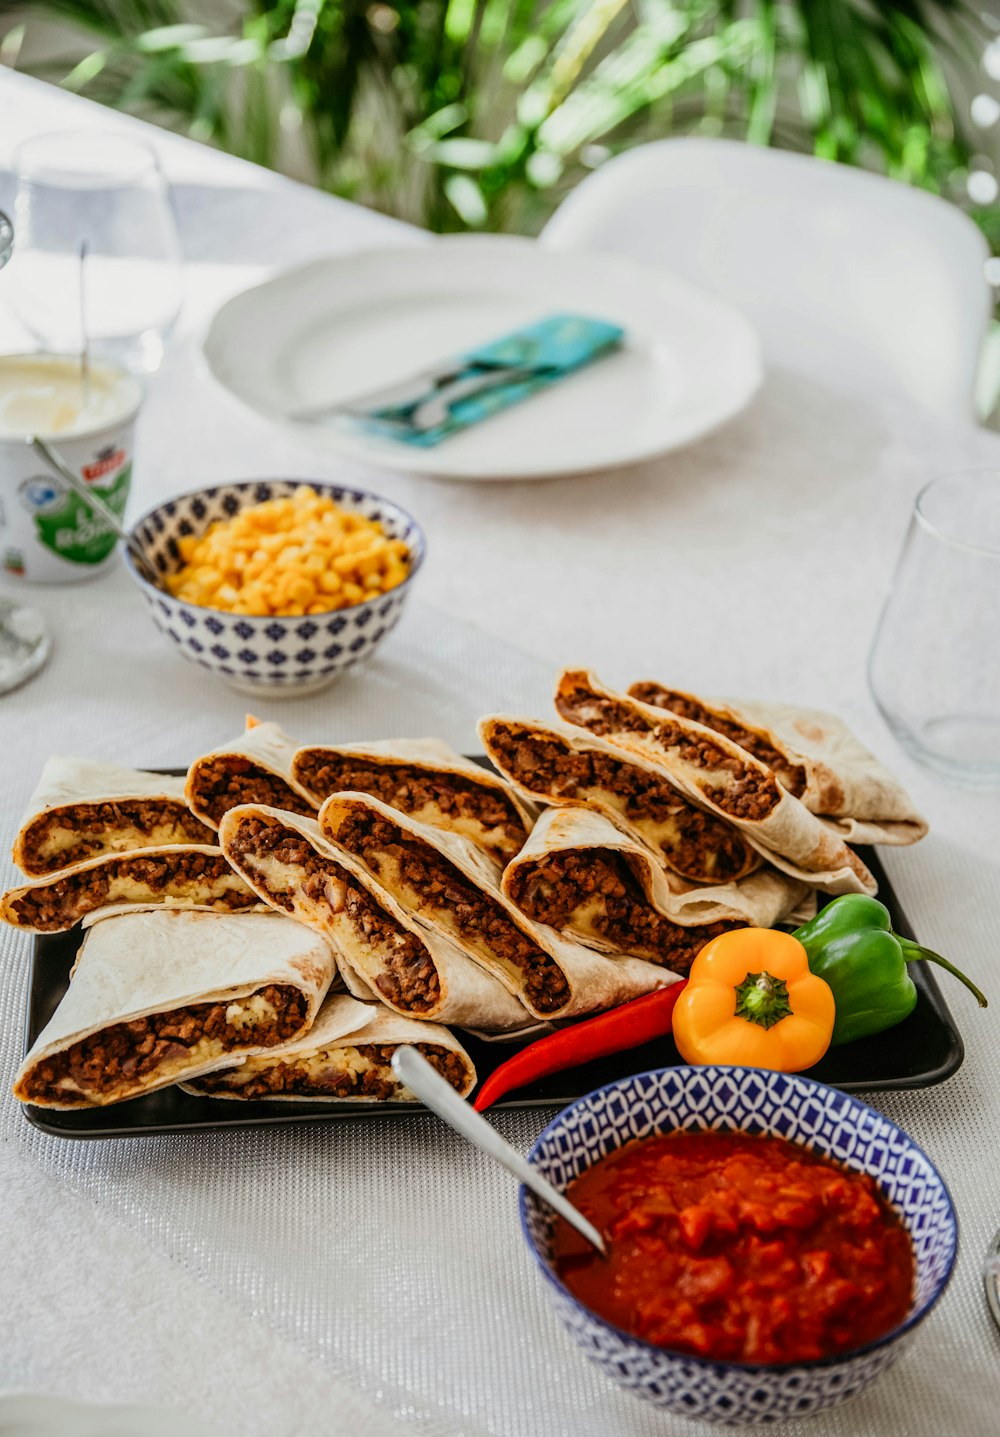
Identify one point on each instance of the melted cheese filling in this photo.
(582, 919)
(117, 839)
(470, 828)
(388, 874)
(364, 953)
(241, 1013)
(662, 833)
(124, 889)
(285, 880)
(248, 1011)
(312, 1073)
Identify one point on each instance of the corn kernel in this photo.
(289, 556)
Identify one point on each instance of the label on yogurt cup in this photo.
(64, 524)
(47, 533)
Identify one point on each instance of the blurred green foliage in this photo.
(481, 113)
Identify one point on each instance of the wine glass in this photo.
(98, 255)
(933, 669)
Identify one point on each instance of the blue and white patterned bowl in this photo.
(259, 654)
(749, 1100)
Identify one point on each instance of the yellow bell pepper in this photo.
(751, 1000)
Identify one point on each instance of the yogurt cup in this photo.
(47, 534)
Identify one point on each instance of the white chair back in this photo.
(843, 273)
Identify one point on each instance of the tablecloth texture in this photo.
(369, 1277)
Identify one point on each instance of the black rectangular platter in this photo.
(924, 1049)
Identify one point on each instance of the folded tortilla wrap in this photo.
(428, 780)
(254, 768)
(449, 885)
(157, 997)
(82, 809)
(382, 952)
(605, 889)
(563, 765)
(724, 777)
(814, 755)
(344, 1057)
(177, 875)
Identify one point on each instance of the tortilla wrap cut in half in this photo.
(254, 768)
(344, 1057)
(580, 874)
(84, 809)
(157, 997)
(724, 777)
(449, 886)
(382, 951)
(179, 875)
(426, 779)
(559, 764)
(814, 755)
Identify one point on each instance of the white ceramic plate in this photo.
(36, 1415)
(338, 328)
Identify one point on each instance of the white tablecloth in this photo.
(755, 564)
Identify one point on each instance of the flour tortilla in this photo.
(594, 982)
(68, 782)
(761, 899)
(839, 779)
(469, 995)
(197, 897)
(720, 833)
(345, 1023)
(789, 836)
(139, 964)
(432, 755)
(269, 749)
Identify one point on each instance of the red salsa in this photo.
(737, 1247)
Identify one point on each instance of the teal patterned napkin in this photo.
(472, 386)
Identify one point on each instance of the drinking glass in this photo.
(98, 254)
(934, 668)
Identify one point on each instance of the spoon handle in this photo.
(97, 506)
(435, 1093)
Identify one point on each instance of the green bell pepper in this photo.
(850, 944)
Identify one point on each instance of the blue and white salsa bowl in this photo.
(260, 654)
(730, 1099)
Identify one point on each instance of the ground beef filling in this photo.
(408, 978)
(791, 775)
(118, 1058)
(95, 825)
(561, 888)
(414, 790)
(299, 1078)
(222, 783)
(443, 887)
(701, 846)
(748, 794)
(204, 878)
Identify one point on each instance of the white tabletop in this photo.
(752, 564)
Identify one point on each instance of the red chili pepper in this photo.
(629, 1026)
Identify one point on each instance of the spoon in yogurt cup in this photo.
(97, 506)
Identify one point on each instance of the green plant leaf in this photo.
(467, 199)
(168, 37)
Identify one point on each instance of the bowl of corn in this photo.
(277, 585)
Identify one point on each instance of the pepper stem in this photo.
(912, 952)
(762, 999)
